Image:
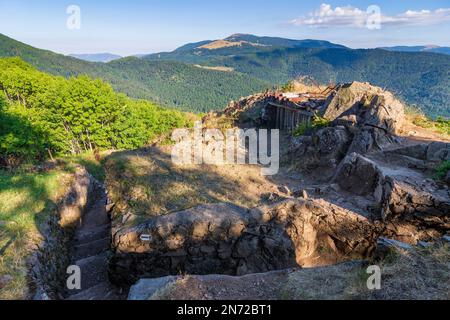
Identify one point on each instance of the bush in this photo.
(20, 141)
(442, 169)
(317, 123)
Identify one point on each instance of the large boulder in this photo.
(411, 206)
(324, 149)
(412, 213)
(359, 175)
(438, 152)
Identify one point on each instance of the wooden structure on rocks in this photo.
(288, 118)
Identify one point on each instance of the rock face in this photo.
(365, 105)
(412, 207)
(359, 175)
(363, 118)
(225, 239)
(412, 213)
(321, 233)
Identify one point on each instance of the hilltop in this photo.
(429, 48)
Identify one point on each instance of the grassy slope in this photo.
(26, 201)
(147, 183)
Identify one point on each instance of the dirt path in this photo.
(90, 251)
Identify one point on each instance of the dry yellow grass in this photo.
(218, 68)
(147, 183)
(221, 44)
(418, 274)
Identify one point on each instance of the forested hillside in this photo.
(182, 85)
(419, 78)
(171, 84)
(42, 114)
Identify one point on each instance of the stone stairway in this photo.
(90, 251)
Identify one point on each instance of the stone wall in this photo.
(225, 239)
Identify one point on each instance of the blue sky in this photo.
(137, 26)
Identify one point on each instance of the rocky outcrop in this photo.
(206, 239)
(362, 118)
(226, 239)
(321, 233)
(365, 105)
(324, 149)
(359, 175)
(412, 207)
(412, 213)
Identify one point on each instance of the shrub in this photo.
(317, 123)
(442, 169)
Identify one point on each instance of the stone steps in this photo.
(92, 248)
(94, 271)
(90, 252)
(102, 291)
(92, 234)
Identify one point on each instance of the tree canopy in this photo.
(42, 114)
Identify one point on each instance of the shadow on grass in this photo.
(147, 182)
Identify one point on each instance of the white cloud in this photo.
(350, 16)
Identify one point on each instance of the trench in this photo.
(90, 250)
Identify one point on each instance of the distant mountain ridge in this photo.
(96, 57)
(429, 48)
(238, 44)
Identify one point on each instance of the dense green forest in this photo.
(421, 79)
(185, 86)
(41, 114)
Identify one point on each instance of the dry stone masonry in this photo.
(225, 239)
